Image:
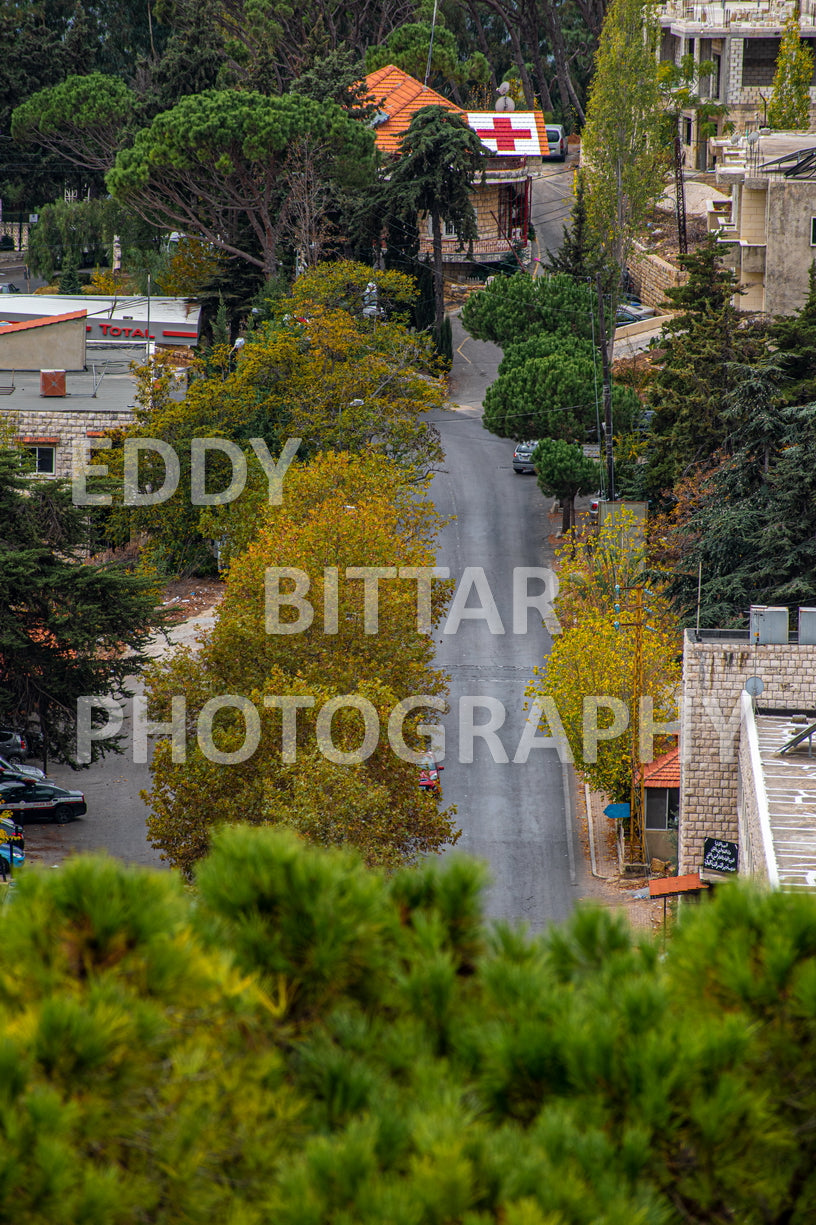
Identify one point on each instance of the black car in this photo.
(33, 800)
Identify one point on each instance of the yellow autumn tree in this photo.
(339, 511)
(590, 686)
(328, 375)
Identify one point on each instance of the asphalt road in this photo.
(551, 202)
(516, 816)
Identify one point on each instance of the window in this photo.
(448, 231)
(44, 459)
(686, 131)
(662, 805)
(813, 231)
(514, 211)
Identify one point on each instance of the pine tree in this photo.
(794, 338)
(69, 282)
(789, 107)
(301, 1040)
(68, 629)
(695, 370)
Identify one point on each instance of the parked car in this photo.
(429, 773)
(632, 311)
(523, 457)
(18, 771)
(12, 847)
(556, 143)
(28, 799)
(9, 288)
(13, 746)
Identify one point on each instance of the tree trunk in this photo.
(567, 512)
(439, 282)
(559, 49)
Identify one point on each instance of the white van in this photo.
(556, 143)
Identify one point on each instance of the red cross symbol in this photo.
(504, 133)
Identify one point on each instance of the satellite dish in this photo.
(504, 88)
(505, 104)
(754, 686)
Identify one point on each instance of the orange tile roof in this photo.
(400, 96)
(664, 771)
(38, 323)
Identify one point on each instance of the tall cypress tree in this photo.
(790, 98)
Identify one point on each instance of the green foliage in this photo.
(318, 370)
(701, 347)
(794, 340)
(407, 47)
(750, 522)
(621, 152)
(563, 469)
(516, 308)
(69, 282)
(578, 255)
(83, 119)
(438, 161)
(68, 628)
(303, 1041)
(338, 77)
(444, 341)
(789, 107)
(546, 344)
(554, 396)
(83, 232)
(216, 164)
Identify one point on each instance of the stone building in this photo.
(741, 38)
(745, 698)
(767, 229)
(50, 422)
(517, 141)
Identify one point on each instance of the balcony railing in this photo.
(726, 13)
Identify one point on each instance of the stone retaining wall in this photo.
(651, 276)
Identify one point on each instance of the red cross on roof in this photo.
(504, 133)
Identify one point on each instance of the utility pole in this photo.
(637, 791)
(606, 368)
(637, 811)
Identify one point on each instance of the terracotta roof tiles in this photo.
(400, 96)
(664, 771)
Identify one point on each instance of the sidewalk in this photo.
(613, 890)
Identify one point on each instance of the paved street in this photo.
(516, 816)
(552, 202)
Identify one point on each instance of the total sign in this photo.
(507, 133)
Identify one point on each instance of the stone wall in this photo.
(651, 276)
(714, 676)
(62, 427)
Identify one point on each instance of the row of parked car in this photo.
(26, 793)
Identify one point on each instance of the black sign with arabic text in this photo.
(719, 856)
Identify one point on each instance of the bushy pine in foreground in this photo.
(303, 1041)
